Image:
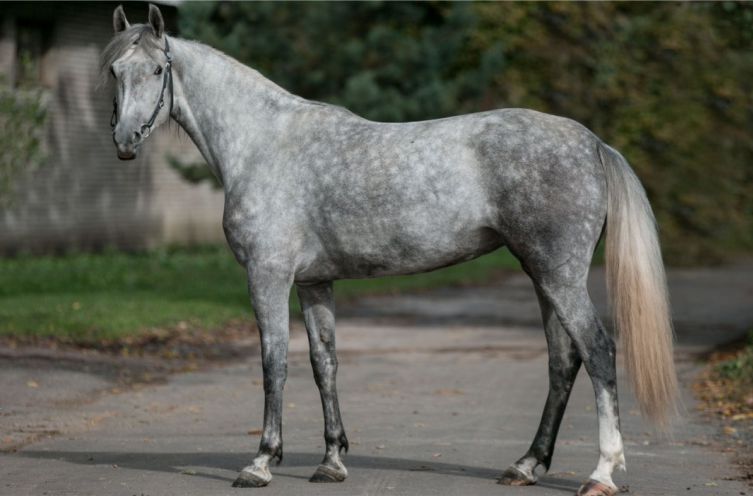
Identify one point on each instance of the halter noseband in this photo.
(167, 80)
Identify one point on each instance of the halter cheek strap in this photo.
(167, 81)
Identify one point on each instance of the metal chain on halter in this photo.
(167, 80)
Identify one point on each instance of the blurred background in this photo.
(93, 250)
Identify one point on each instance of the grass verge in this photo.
(725, 391)
(726, 386)
(86, 299)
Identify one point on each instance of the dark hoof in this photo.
(596, 488)
(328, 474)
(514, 477)
(248, 479)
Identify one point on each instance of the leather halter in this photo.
(167, 81)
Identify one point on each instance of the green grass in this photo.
(86, 298)
(740, 367)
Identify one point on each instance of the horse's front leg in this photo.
(317, 303)
(270, 292)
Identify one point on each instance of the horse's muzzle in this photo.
(126, 152)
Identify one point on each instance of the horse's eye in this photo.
(158, 71)
(112, 71)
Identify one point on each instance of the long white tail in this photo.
(637, 289)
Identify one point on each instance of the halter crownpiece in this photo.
(167, 80)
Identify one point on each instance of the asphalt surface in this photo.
(439, 392)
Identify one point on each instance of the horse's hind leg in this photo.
(317, 302)
(564, 363)
(565, 290)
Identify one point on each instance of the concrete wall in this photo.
(84, 198)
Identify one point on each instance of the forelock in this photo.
(137, 34)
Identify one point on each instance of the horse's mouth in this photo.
(127, 152)
(129, 155)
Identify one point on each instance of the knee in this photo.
(275, 377)
(323, 362)
(327, 334)
(325, 369)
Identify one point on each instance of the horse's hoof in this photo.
(596, 488)
(325, 473)
(253, 478)
(513, 476)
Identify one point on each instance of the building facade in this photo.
(83, 198)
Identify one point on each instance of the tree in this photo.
(667, 84)
(386, 61)
(22, 119)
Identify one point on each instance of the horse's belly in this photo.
(397, 253)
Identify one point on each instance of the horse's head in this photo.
(139, 59)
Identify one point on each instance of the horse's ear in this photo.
(119, 21)
(156, 21)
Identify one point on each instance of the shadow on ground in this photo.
(234, 462)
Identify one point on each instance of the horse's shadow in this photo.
(233, 462)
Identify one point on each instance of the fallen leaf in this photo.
(255, 432)
(32, 384)
(449, 392)
(742, 416)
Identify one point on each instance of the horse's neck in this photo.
(229, 110)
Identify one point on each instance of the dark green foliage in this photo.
(389, 61)
(739, 367)
(668, 84)
(22, 119)
(193, 172)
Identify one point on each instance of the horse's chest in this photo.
(258, 228)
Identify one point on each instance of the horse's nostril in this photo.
(136, 136)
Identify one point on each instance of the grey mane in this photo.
(143, 34)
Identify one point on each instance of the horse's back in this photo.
(387, 198)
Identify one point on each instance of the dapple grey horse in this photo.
(314, 193)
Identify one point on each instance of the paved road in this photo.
(432, 405)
